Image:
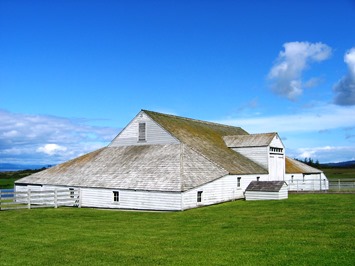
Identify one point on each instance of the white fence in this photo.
(316, 185)
(11, 200)
(342, 185)
(300, 185)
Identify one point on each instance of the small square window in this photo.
(116, 196)
(71, 191)
(199, 196)
(238, 181)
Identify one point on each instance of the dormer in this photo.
(256, 147)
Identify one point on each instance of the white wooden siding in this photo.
(277, 143)
(265, 195)
(311, 182)
(220, 190)
(130, 199)
(155, 134)
(258, 155)
(276, 167)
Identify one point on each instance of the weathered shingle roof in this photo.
(296, 167)
(252, 140)
(146, 167)
(201, 157)
(207, 139)
(267, 186)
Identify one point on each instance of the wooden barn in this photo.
(166, 162)
(266, 190)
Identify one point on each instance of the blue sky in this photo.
(74, 73)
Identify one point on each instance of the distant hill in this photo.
(347, 164)
(4, 167)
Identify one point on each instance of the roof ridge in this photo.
(252, 134)
(189, 119)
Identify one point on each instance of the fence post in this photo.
(338, 185)
(29, 198)
(55, 198)
(0, 199)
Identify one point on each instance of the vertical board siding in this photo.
(155, 134)
(276, 167)
(258, 155)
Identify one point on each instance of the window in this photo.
(276, 150)
(142, 132)
(71, 191)
(238, 181)
(258, 178)
(199, 196)
(116, 196)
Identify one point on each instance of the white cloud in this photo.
(345, 88)
(315, 119)
(324, 154)
(43, 139)
(286, 74)
(51, 149)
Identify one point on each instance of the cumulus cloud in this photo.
(41, 139)
(324, 153)
(345, 88)
(51, 148)
(314, 119)
(286, 74)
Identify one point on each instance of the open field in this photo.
(339, 173)
(306, 229)
(7, 179)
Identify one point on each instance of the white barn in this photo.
(166, 162)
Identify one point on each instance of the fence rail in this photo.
(345, 185)
(11, 200)
(342, 185)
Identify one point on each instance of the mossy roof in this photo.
(296, 167)
(207, 139)
(252, 140)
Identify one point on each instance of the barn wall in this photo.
(130, 199)
(220, 190)
(155, 133)
(276, 142)
(308, 182)
(256, 154)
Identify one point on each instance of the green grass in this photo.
(339, 173)
(7, 179)
(306, 229)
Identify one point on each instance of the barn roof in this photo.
(252, 140)
(296, 167)
(146, 167)
(207, 139)
(267, 186)
(201, 157)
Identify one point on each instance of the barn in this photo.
(165, 162)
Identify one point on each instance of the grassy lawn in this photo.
(306, 229)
